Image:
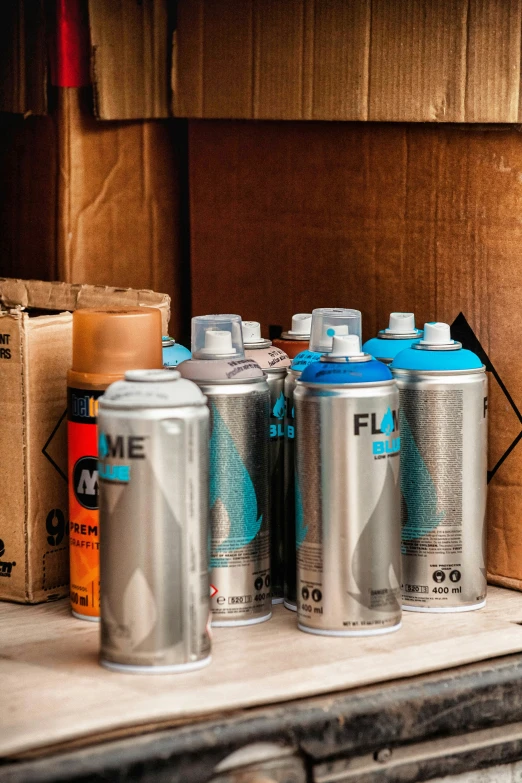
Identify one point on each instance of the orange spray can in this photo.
(297, 338)
(106, 343)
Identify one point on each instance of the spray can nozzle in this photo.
(401, 324)
(437, 334)
(217, 336)
(329, 322)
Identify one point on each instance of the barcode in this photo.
(415, 588)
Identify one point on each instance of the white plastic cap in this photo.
(217, 336)
(330, 321)
(151, 376)
(350, 345)
(437, 334)
(252, 332)
(301, 324)
(401, 323)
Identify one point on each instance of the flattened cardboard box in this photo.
(35, 354)
(399, 60)
(381, 218)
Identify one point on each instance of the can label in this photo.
(154, 536)
(443, 487)
(277, 478)
(239, 506)
(82, 409)
(348, 510)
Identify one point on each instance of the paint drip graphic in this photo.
(300, 529)
(232, 493)
(387, 423)
(378, 545)
(420, 515)
(278, 411)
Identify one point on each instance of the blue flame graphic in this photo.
(418, 489)
(278, 411)
(300, 529)
(231, 484)
(387, 423)
(103, 449)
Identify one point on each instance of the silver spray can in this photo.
(239, 402)
(443, 393)
(274, 362)
(347, 495)
(301, 361)
(153, 476)
(326, 322)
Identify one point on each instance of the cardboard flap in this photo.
(130, 58)
(413, 61)
(23, 57)
(68, 296)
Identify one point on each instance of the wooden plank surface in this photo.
(53, 689)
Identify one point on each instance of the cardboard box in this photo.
(414, 60)
(35, 354)
(93, 202)
(292, 216)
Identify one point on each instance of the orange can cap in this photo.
(110, 342)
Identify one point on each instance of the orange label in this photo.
(83, 501)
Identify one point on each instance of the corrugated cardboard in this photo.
(118, 201)
(414, 60)
(130, 58)
(35, 354)
(92, 202)
(292, 216)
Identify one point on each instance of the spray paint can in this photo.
(105, 345)
(239, 402)
(274, 362)
(153, 469)
(347, 495)
(297, 338)
(400, 334)
(173, 352)
(328, 321)
(444, 401)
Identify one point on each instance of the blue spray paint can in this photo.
(173, 352)
(326, 322)
(239, 401)
(444, 405)
(400, 334)
(347, 495)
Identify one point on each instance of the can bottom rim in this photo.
(373, 632)
(236, 623)
(88, 617)
(443, 609)
(290, 606)
(175, 668)
(277, 600)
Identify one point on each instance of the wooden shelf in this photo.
(54, 691)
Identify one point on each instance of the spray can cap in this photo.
(345, 345)
(401, 323)
(217, 337)
(109, 342)
(330, 321)
(301, 325)
(437, 334)
(252, 332)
